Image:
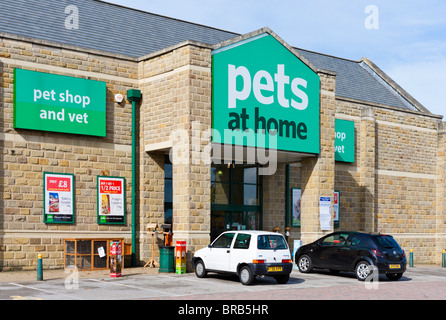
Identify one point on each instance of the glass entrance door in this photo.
(245, 220)
(233, 220)
(236, 198)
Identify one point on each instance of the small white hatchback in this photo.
(246, 254)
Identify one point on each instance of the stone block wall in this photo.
(26, 154)
(396, 184)
(176, 118)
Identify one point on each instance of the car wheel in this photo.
(362, 270)
(282, 279)
(246, 276)
(200, 269)
(305, 264)
(394, 276)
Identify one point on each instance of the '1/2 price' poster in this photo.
(58, 198)
(111, 200)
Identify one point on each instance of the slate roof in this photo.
(120, 30)
(102, 26)
(356, 80)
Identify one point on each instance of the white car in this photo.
(246, 254)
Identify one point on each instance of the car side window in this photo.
(242, 241)
(354, 241)
(338, 239)
(224, 241)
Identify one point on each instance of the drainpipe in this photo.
(133, 95)
(287, 196)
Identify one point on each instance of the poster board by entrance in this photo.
(58, 197)
(111, 200)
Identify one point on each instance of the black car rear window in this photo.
(386, 241)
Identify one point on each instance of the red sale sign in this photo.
(110, 186)
(58, 184)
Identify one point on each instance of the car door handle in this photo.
(228, 251)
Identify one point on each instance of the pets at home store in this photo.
(270, 118)
(265, 114)
(69, 151)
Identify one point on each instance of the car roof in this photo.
(253, 232)
(368, 234)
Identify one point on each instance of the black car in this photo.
(353, 251)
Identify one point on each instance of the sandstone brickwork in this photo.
(396, 184)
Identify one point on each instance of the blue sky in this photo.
(406, 39)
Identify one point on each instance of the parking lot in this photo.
(418, 283)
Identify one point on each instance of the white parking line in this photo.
(135, 287)
(46, 291)
(221, 283)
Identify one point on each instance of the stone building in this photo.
(231, 132)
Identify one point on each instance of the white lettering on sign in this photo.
(261, 90)
(63, 97)
(340, 135)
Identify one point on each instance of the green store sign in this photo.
(344, 140)
(264, 96)
(56, 103)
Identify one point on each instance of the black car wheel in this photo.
(394, 276)
(282, 279)
(305, 264)
(200, 269)
(246, 276)
(362, 270)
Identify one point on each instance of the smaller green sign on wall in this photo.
(56, 103)
(344, 140)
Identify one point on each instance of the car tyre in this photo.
(200, 269)
(246, 276)
(305, 264)
(282, 279)
(362, 270)
(394, 276)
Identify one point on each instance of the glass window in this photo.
(337, 239)
(242, 241)
(237, 190)
(220, 193)
(250, 195)
(167, 168)
(168, 191)
(386, 241)
(245, 194)
(220, 173)
(224, 241)
(250, 175)
(271, 242)
(354, 241)
(168, 212)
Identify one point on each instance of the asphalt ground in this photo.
(418, 283)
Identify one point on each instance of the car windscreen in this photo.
(271, 241)
(386, 241)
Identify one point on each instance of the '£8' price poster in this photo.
(58, 189)
(111, 200)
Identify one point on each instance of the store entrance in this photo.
(238, 220)
(236, 192)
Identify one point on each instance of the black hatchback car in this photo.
(353, 251)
